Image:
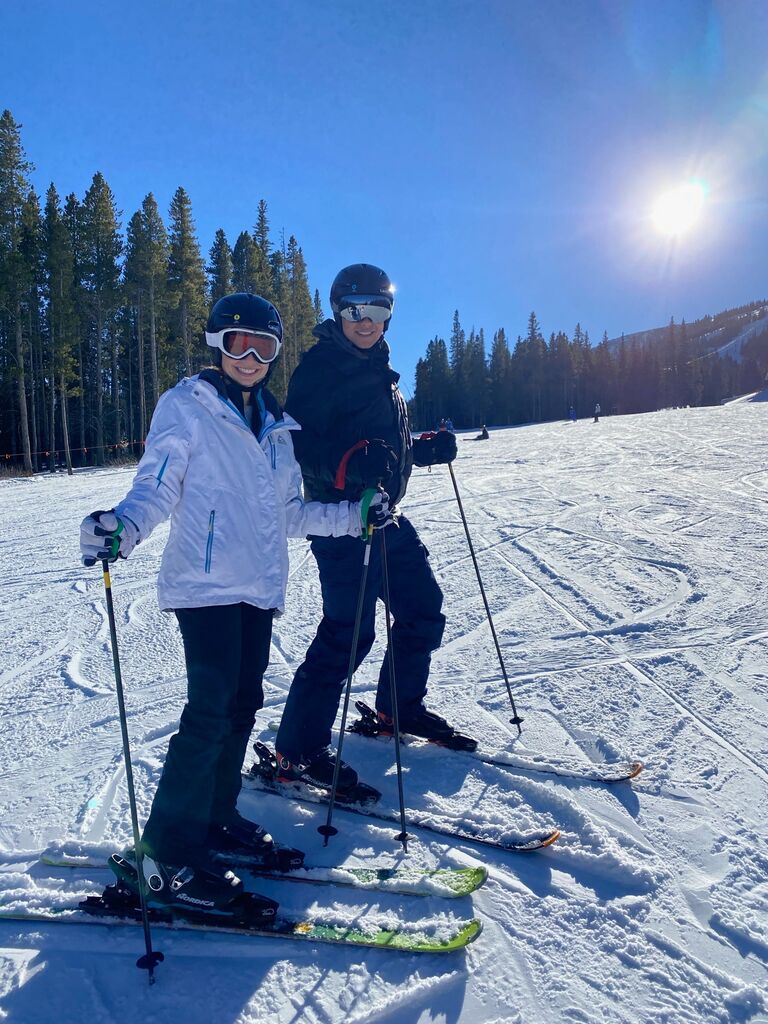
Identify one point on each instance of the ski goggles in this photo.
(240, 342)
(365, 307)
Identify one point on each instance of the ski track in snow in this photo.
(624, 564)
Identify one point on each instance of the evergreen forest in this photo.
(96, 322)
(99, 316)
(538, 380)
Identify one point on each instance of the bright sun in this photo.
(679, 209)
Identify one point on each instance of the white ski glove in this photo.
(106, 535)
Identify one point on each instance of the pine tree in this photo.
(457, 348)
(297, 312)
(261, 229)
(186, 280)
(154, 270)
(529, 361)
(101, 249)
(61, 316)
(73, 217)
(476, 378)
(145, 275)
(264, 283)
(31, 249)
(14, 272)
(499, 381)
(432, 386)
(250, 270)
(219, 268)
(317, 306)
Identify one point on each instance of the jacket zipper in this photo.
(209, 544)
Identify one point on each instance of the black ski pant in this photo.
(227, 651)
(416, 601)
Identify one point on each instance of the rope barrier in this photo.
(122, 445)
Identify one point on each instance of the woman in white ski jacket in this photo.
(233, 498)
(219, 461)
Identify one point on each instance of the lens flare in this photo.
(678, 210)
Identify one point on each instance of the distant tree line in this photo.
(539, 380)
(95, 323)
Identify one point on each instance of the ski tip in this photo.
(467, 934)
(637, 767)
(538, 842)
(553, 836)
(476, 876)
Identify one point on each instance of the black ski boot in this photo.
(199, 894)
(276, 774)
(422, 723)
(175, 886)
(317, 771)
(243, 843)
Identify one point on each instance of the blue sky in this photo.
(495, 157)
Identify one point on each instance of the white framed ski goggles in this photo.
(364, 307)
(237, 343)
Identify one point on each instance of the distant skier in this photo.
(483, 435)
(219, 460)
(572, 414)
(449, 425)
(355, 433)
(597, 412)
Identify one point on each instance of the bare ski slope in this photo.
(625, 563)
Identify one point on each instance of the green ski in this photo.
(446, 883)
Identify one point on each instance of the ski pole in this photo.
(516, 719)
(151, 958)
(328, 829)
(403, 837)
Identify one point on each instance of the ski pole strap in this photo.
(365, 503)
(114, 535)
(115, 545)
(340, 480)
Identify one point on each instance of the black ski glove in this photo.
(367, 464)
(434, 448)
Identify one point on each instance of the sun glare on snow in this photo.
(678, 210)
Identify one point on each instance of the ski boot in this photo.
(281, 776)
(243, 843)
(424, 724)
(194, 893)
(317, 771)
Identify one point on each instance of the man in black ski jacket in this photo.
(354, 435)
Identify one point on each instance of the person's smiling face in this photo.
(246, 371)
(362, 333)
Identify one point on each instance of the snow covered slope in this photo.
(625, 563)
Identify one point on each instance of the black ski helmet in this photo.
(361, 279)
(243, 309)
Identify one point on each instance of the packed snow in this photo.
(625, 566)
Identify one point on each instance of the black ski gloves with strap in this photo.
(366, 464)
(433, 448)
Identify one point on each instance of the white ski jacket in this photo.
(234, 499)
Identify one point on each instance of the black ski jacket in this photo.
(341, 394)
